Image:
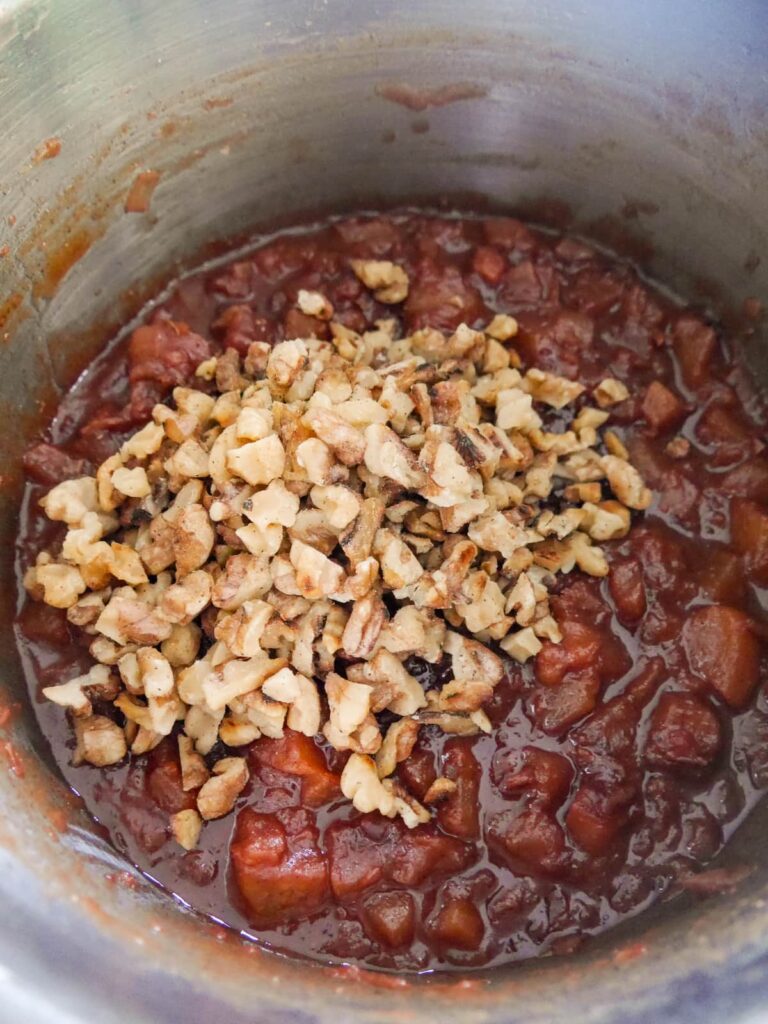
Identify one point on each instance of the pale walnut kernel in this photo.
(610, 392)
(317, 460)
(387, 281)
(521, 645)
(339, 504)
(301, 694)
(345, 441)
(194, 771)
(394, 688)
(185, 600)
(481, 603)
(407, 806)
(133, 483)
(286, 361)
(514, 411)
(397, 745)
(75, 695)
(62, 585)
(606, 521)
(316, 575)
(100, 741)
(399, 566)
(361, 784)
(387, 456)
(258, 462)
(551, 389)
(237, 678)
(193, 539)
(502, 327)
(218, 795)
(186, 826)
(314, 304)
(242, 630)
(349, 703)
(70, 501)
(364, 625)
(626, 483)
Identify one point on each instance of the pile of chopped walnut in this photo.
(270, 550)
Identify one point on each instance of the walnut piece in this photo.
(217, 796)
(269, 551)
(387, 281)
(186, 826)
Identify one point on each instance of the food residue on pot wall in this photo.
(140, 193)
(47, 150)
(413, 98)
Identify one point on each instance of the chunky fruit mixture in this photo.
(395, 592)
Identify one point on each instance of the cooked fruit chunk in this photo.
(723, 649)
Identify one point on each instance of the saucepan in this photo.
(136, 138)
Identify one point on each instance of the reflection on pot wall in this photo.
(642, 118)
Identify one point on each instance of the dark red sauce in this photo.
(620, 761)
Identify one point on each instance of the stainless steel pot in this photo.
(645, 117)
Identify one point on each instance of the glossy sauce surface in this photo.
(620, 760)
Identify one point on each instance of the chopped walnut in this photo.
(387, 456)
(217, 796)
(242, 630)
(100, 741)
(131, 482)
(349, 703)
(340, 505)
(345, 441)
(606, 521)
(286, 361)
(626, 483)
(502, 327)
(397, 745)
(183, 601)
(238, 677)
(610, 392)
(415, 631)
(364, 625)
(301, 694)
(361, 784)
(244, 578)
(77, 693)
(258, 462)
(194, 771)
(186, 827)
(317, 460)
(270, 550)
(388, 282)
(394, 688)
(316, 575)
(521, 645)
(514, 411)
(62, 585)
(551, 389)
(406, 805)
(399, 566)
(481, 602)
(314, 304)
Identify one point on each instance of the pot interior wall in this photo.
(647, 120)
